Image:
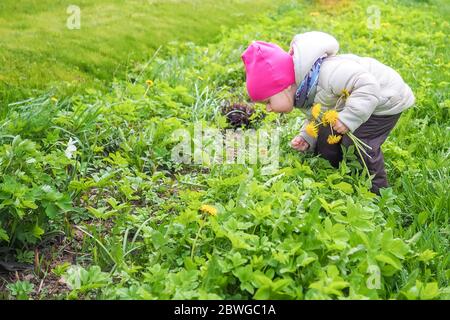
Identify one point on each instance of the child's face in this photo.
(281, 102)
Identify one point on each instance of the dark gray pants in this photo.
(373, 132)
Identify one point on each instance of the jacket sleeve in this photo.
(364, 91)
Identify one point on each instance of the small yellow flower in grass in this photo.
(314, 13)
(311, 129)
(333, 139)
(330, 117)
(209, 209)
(149, 83)
(315, 110)
(54, 99)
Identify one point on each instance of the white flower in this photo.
(46, 188)
(71, 148)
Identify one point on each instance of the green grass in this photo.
(38, 51)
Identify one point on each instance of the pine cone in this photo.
(238, 115)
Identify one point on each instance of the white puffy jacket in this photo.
(374, 87)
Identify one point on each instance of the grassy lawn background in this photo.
(38, 51)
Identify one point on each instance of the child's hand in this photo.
(299, 144)
(340, 127)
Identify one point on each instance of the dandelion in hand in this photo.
(330, 117)
(333, 139)
(312, 130)
(315, 110)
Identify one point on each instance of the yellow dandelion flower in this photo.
(330, 117)
(149, 83)
(54, 99)
(345, 93)
(333, 139)
(209, 209)
(311, 129)
(315, 110)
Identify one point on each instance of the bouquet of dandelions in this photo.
(329, 118)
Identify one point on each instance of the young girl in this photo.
(312, 72)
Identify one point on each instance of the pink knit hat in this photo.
(269, 70)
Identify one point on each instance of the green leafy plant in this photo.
(21, 289)
(81, 280)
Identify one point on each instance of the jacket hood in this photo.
(308, 47)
